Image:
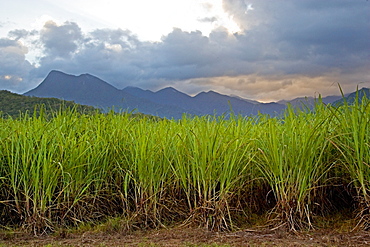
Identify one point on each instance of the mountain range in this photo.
(168, 102)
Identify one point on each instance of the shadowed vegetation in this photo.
(12, 105)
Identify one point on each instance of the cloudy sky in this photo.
(258, 49)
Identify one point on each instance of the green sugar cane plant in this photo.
(69, 168)
(291, 161)
(86, 159)
(31, 171)
(58, 169)
(122, 186)
(119, 176)
(174, 203)
(148, 170)
(6, 198)
(211, 160)
(353, 141)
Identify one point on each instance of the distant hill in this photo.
(350, 98)
(310, 101)
(168, 102)
(12, 104)
(204, 103)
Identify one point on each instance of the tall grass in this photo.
(148, 167)
(353, 141)
(291, 160)
(211, 162)
(29, 169)
(209, 171)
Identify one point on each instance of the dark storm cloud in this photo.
(61, 40)
(183, 48)
(13, 65)
(115, 55)
(326, 33)
(118, 55)
(279, 42)
(12, 56)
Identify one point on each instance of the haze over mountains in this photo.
(167, 102)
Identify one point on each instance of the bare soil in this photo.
(184, 236)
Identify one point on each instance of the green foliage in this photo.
(12, 105)
(74, 168)
(353, 141)
(292, 160)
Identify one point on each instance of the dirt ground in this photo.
(181, 236)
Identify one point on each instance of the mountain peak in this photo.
(86, 75)
(210, 93)
(57, 72)
(84, 89)
(168, 90)
(213, 92)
